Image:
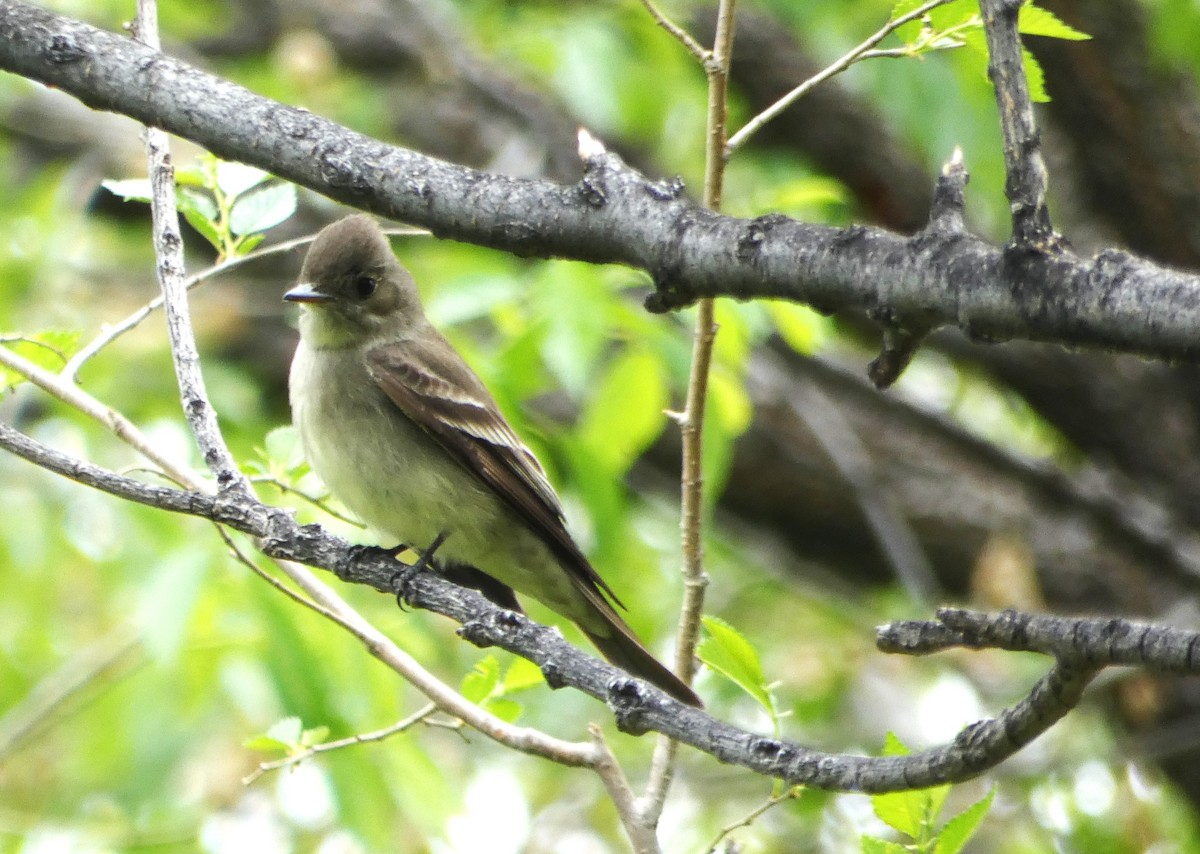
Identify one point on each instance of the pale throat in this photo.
(323, 329)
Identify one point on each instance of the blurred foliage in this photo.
(138, 659)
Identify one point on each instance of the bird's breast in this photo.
(375, 460)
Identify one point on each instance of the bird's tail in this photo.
(622, 648)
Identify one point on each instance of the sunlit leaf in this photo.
(263, 209)
(200, 211)
(286, 731)
(1036, 21)
(283, 448)
(316, 735)
(130, 189)
(1035, 77)
(911, 812)
(49, 349)
(959, 830)
(802, 328)
(522, 675)
(504, 708)
(624, 414)
(482, 681)
(727, 651)
(236, 178)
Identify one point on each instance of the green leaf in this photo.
(624, 414)
(49, 349)
(893, 746)
(283, 448)
(288, 730)
(904, 7)
(201, 213)
(911, 812)
(247, 244)
(193, 175)
(954, 15)
(871, 845)
(263, 209)
(726, 650)
(730, 411)
(1036, 21)
(471, 298)
(198, 201)
(316, 735)
(903, 811)
(522, 675)
(233, 179)
(131, 189)
(803, 329)
(958, 830)
(1035, 77)
(283, 735)
(265, 744)
(482, 681)
(505, 709)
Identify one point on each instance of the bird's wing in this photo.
(433, 386)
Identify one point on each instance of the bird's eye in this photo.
(364, 286)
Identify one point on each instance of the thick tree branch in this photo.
(638, 707)
(1114, 300)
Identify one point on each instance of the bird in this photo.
(406, 435)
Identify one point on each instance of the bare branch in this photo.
(1026, 182)
(1115, 300)
(691, 420)
(361, 738)
(678, 33)
(1095, 641)
(637, 706)
(862, 51)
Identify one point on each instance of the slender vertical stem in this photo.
(1025, 183)
(691, 422)
(168, 251)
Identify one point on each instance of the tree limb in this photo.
(937, 277)
(638, 707)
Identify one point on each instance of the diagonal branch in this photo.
(639, 708)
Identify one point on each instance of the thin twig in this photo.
(745, 821)
(324, 600)
(839, 65)
(362, 738)
(320, 504)
(678, 33)
(642, 836)
(691, 421)
(78, 399)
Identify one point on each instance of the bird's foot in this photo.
(349, 569)
(402, 577)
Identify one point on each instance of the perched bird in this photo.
(407, 436)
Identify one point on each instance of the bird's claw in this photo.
(402, 577)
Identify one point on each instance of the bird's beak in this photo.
(306, 293)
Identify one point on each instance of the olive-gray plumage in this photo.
(407, 436)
